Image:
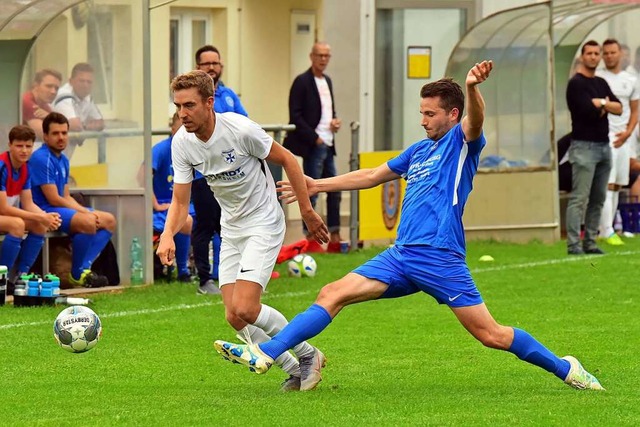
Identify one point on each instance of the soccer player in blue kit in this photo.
(429, 253)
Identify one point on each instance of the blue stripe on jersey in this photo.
(439, 177)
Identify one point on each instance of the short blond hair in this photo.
(198, 79)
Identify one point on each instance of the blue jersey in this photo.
(47, 168)
(162, 170)
(15, 173)
(226, 100)
(439, 177)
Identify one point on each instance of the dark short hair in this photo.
(21, 133)
(54, 118)
(40, 75)
(611, 41)
(81, 67)
(450, 93)
(588, 43)
(206, 48)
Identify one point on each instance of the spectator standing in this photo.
(590, 100)
(74, 102)
(621, 128)
(18, 213)
(312, 110)
(207, 225)
(90, 230)
(36, 103)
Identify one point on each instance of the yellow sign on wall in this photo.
(380, 206)
(419, 62)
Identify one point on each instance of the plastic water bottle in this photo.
(55, 284)
(617, 223)
(137, 272)
(73, 301)
(33, 284)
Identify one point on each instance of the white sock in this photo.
(271, 321)
(607, 215)
(251, 334)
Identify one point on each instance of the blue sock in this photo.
(10, 250)
(80, 243)
(182, 241)
(217, 241)
(305, 325)
(99, 241)
(29, 252)
(530, 350)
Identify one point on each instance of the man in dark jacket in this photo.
(312, 110)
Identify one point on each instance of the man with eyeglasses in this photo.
(207, 209)
(312, 110)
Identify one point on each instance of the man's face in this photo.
(210, 63)
(320, 56)
(82, 83)
(20, 151)
(58, 137)
(192, 110)
(591, 57)
(611, 55)
(47, 89)
(435, 120)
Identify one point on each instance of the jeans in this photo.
(590, 167)
(207, 222)
(321, 164)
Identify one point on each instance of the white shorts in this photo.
(250, 257)
(620, 158)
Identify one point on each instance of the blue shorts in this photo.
(440, 273)
(65, 214)
(160, 218)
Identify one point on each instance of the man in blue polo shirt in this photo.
(207, 222)
(90, 230)
(430, 249)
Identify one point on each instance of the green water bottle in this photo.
(137, 272)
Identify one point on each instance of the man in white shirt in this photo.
(624, 86)
(312, 110)
(74, 102)
(230, 151)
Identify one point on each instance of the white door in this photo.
(303, 35)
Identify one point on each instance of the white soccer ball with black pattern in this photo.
(77, 329)
(302, 266)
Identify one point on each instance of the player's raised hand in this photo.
(316, 227)
(479, 73)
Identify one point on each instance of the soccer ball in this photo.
(77, 329)
(302, 266)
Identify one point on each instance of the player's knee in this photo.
(497, 338)
(246, 312)
(38, 228)
(15, 226)
(236, 322)
(107, 221)
(188, 225)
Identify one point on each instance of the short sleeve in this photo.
(182, 169)
(40, 173)
(400, 163)
(256, 141)
(66, 108)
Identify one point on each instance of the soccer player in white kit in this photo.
(230, 150)
(621, 128)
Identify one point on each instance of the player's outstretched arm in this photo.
(473, 121)
(176, 217)
(354, 180)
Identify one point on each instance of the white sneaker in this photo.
(310, 370)
(579, 378)
(248, 355)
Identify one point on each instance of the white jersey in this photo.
(624, 86)
(232, 162)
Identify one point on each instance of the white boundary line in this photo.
(294, 294)
(158, 310)
(551, 262)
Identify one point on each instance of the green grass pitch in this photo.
(396, 362)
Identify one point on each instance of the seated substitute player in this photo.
(162, 170)
(429, 254)
(90, 230)
(230, 151)
(17, 210)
